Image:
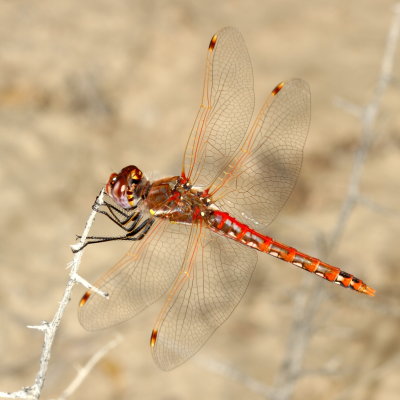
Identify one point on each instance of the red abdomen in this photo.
(223, 224)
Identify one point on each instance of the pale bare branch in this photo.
(50, 328)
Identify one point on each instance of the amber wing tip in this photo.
(84, 299)
(213, 41)
(277, 88)
(153, 337)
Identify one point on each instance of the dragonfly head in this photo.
(125, 187)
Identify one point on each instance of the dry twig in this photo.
(50, 328)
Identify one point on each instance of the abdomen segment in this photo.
(228, 226)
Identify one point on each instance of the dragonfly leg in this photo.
(128, 220)
(136, 233)
(119, 217)
(131, 235)
(143, 228)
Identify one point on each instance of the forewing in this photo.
(263, 174)
(138, 279)
(213, 278)
(225, 112)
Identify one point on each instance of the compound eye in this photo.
(113, 179)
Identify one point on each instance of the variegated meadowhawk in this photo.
(196, 235)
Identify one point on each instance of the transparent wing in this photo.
(250, 176)
(225, 112)
(263, 174)
(212, 280)
(138, 279)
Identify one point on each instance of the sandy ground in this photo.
(88, 87)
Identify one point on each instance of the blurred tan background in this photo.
(87, 87)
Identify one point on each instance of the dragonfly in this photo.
(196, 235)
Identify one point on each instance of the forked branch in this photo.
(49, 329)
